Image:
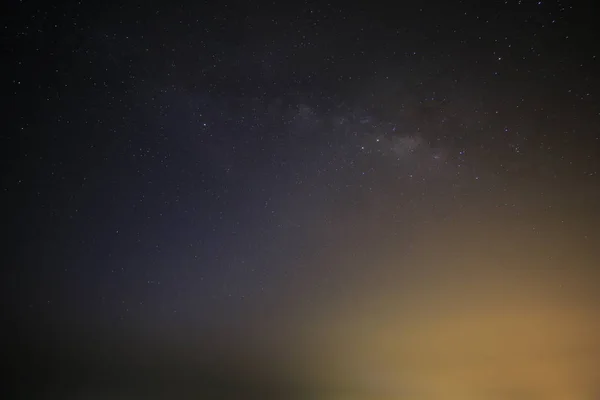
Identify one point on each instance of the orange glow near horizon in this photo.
(521, 349)
(481, 333)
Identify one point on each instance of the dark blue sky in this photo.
(177, 172)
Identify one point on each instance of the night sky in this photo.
(301, 200)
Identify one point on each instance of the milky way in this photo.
(265, 200)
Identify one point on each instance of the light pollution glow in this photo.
(485, 326)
